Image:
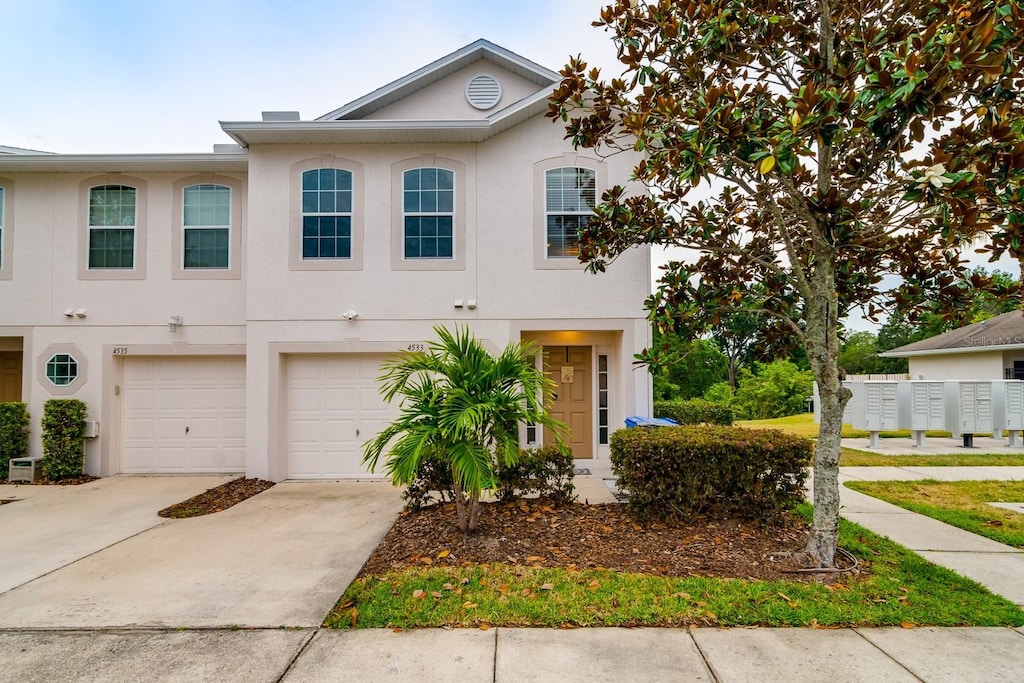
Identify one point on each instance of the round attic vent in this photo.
(483, 91)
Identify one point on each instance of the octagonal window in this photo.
(62, 369)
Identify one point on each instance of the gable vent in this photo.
(483, 91)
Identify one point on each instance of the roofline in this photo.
(480, 129)
(405, 81)
(73, 163)
(7, 149)
(947, 352)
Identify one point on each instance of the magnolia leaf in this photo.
(767, 164)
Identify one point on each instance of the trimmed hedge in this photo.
(14, 424)
(63, 438)
(546, 472)
(695, 411)
(673, 472)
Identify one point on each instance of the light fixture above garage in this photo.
(175, 322)
(350, 315)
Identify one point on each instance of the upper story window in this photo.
(569, 199)
(327, 214)
(112, 220)
(206, 218)
(428, 213)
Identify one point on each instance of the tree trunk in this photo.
(822, 340)
(732, 373)
(461, 514)
(821, 545)
(474, 509)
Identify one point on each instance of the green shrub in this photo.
(673, 472)
(546, 472)
(14, 422)
(63, 438)
(695, 411)
(777, 390)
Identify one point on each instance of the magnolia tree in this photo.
(805, 151)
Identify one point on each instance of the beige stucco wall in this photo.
(981, 365)
(272, 308)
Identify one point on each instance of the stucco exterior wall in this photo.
(446, 99)
(982, 365)
(272, 304)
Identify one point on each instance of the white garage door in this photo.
(333, 408)
(183, 415)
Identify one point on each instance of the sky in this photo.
(156, 76)
(97, 76)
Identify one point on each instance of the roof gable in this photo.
(445, 99)
(481, 50)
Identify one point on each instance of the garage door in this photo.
(183, 415)
(333, 407)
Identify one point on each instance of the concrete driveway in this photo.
(280, 558)
(48, 527)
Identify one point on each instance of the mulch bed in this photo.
(69, 481)
(578, 536)
(218, 498)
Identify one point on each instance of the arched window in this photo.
(206, 218)
(326, 214)
(428, 213)
(112, 222)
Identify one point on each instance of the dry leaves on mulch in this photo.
(578, 536)
(218, 498)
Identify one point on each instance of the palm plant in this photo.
(463, 405)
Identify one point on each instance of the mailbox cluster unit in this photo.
(921, 406)
(962, 407)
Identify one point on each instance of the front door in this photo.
(569, 367)
(10, 376)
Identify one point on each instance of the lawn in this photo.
(963, 504)
(804, 425)
(894, 587)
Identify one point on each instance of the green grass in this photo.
(896, 587)
(803, 425)
(855, 458)
(962, 504)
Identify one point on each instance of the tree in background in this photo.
(686, 368)
(807, 123)
(776, 390)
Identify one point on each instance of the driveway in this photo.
(48, 527)
(280, 558)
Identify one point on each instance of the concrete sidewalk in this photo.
(998, 567)
(516, 655)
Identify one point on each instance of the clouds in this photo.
(123, 77)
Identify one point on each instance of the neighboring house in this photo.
(229, 312)
(990, 349)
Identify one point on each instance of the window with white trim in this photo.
(602, 399)
(61, 369)
(428, 213)
(112, 222)
(326, 214)
(206, 218)
(569, 200)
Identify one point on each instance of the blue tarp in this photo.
(637, 421)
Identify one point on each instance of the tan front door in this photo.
(569, 368)
(10, 376)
